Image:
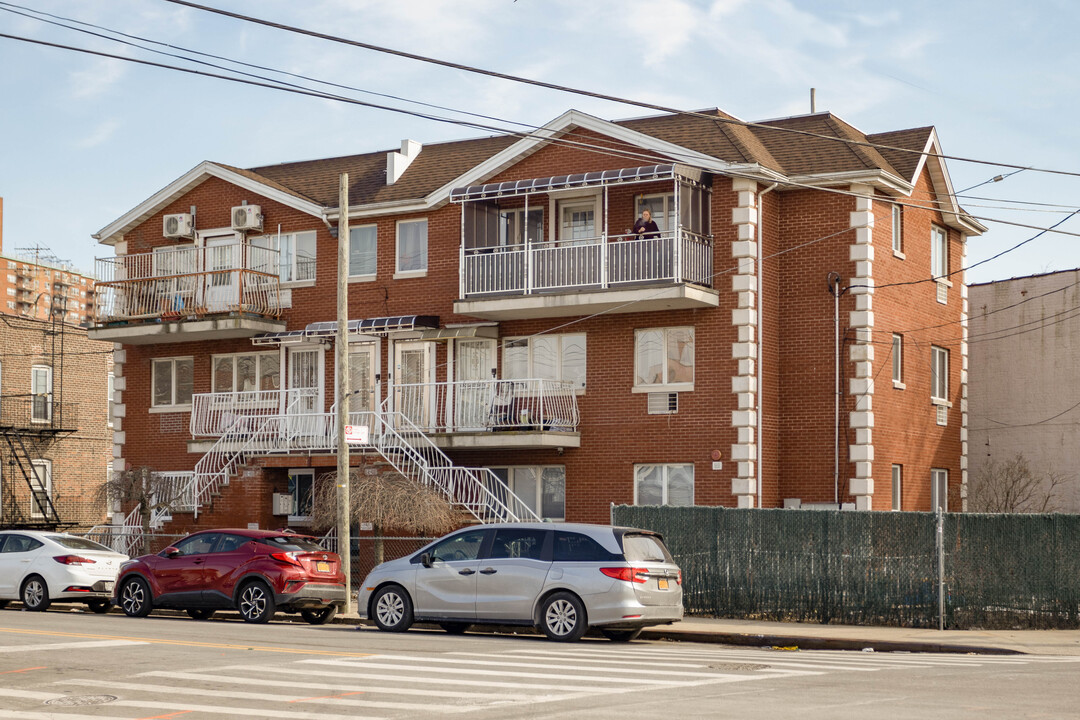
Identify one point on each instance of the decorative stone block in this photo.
(858, 453)
(861, 486)
(743, 485)
(861, 419)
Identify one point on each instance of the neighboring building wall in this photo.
(1025, 378)
(40, 290)
(80, 460)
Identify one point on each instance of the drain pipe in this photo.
(836, 291)
(761, 341)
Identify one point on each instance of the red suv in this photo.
(257, 572)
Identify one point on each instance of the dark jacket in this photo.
(646, 230)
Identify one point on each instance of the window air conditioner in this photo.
(179, 225)
(247, 217)
(283, 504)
(663, 403)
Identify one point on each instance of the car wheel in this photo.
(199, 613)
(455, 628)
(621, 635)
(135, 598)
(392, 609)
(256, 603)
(320, 616)
(99, 606)
(562, 617)
(35, 594)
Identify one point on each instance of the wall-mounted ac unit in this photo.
(180, 225)
(247, 217)
(282, 504)
(663, 403)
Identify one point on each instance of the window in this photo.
(547, 357)
(898, 229)
(664, 359)
(897, 476)
(41, 393)
(363, 250)
(11, 291)
(296, 255)
(463, 546)
(661, 207)
(939, 489)
(939, 252)
(172, 382)
(939, 374)
(301, 483)
(513, 229)
(577, 220)
(41, 488)
(412, 246)
(245, 373)
(575, 547)
(898, 360)
(111, 391)
(542, 488)
(198, 544)
(518, 543)
(664, 484)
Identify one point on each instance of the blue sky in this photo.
(83, 140)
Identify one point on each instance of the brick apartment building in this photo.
(505, 318)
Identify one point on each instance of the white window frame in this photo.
(173, 406)
(294, 517)
(939, 253)
(259, 357)
(939, 376)
(48, 394)
(897, 486)
(112, 396)
(513, 227)
(939, 486)
(364, 276)
(413, 272)
(537, 505)
(665, 469)
(45, 484)
(289, 272)
(898, 361)
(898, 230)
(664, 386)
(561, 370)
(669, 210)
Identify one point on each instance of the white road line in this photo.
(68, 646)
(650, 662)
(52, 715)
(460, 659)
(28, 694)
(219, 710)
(363, 663)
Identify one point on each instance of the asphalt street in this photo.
(74, 665)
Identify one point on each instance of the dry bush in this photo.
(389, 502)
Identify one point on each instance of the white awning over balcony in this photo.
(517, 188)
(367, 326)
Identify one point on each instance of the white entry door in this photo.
(413, 386)
(364, 399)
(474, 360)
(304, 399)
(222, 285)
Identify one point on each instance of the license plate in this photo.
(322, 566)
(662, 583)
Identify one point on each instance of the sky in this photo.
(84, 139)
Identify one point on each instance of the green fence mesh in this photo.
(872, 567)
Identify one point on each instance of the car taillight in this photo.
(287, 558)
(73, 560)
(626, 574)
(678, 580)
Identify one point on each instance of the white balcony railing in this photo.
(212, 414)
(600, 263)
(188, 281)
(489, 405)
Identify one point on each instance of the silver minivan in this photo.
(560, 578)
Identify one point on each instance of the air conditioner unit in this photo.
(247, 217)
(663, 403)
(282, 504)
(180, 225)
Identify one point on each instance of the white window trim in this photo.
(504, 345)
(664, 486)
(934, 254)
(301, 519)
(48, 394)
(574, 197)
(897, 487)
(233, 356)
(664, 387)
(47, 464)
(935, 399)
(935, 501)
(669, 210)
(291, 283)
(366, 277)
(898, 382)
(898, 231)
(539, 499)
(111, 389)
(168, 408)
(398, 272)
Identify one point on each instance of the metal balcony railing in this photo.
(37, 412)
(489, 405)
(188, 281)
(212, 414)
(591, 263)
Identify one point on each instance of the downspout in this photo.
(761, 342)
(836, 291)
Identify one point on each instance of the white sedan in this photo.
(39, 567)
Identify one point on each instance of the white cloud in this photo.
(96, 78)
(100, 134)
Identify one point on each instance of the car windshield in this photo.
(292, 543)
(639, 547)
(78, 543)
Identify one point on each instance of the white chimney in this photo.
(398, 162)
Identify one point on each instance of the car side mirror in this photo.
(171, 552)
(425, 560)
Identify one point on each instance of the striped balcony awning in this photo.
(515, 188)
(367, 326)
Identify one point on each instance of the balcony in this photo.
(37, 414)
(186, 294)
(516, 264)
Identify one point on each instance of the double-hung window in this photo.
(898, 230)
(939, 252)
(939, 489)
(939, 374)
(172, 382)
(245, 372)
(296, 255)
(41, 394)
(541, 487)
(661, 207)
(40, 488)
(898, 360)
(412, 246)
(664, 484)
(897, 477)
(664, 359)
(363, 251)
(546, 357)
(112, 398)
(301, 485)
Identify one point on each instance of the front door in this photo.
(364, 391)
(413, 389)
(222, 284)
(474, 361)
(304, 397)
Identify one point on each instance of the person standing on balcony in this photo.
(645, 227)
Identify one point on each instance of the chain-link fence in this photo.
(991, 571)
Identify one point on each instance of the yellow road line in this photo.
(186, 643)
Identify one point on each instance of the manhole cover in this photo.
(728, 667)
(76, 700)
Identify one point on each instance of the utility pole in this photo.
(341, 370)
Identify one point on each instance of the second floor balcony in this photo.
(187, 293)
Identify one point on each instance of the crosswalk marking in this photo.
(67, 646)
(458, 659)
